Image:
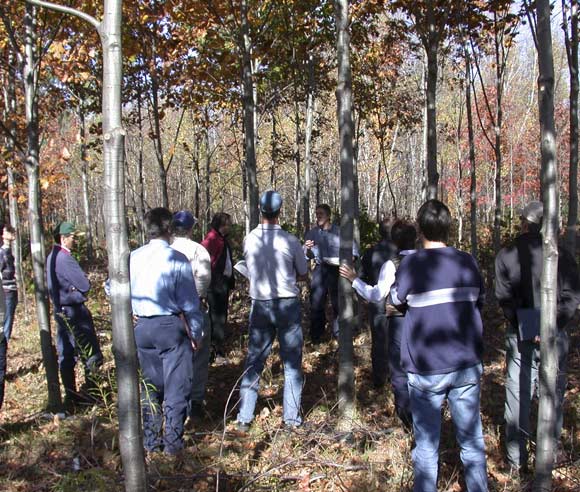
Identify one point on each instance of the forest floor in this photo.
(42, 452)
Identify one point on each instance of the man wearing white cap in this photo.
(275, 262)
(518, 270)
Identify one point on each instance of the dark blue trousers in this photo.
(166, 360)
(3, 350)
(11, 297)
(398, 374)
(76, 338)
(324, 282)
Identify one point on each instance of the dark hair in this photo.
(325, 207)
(2, 226)
(220, 219)
(404, 235)
(180, 231)
(158, 222)
(434, 221)
(7, 227)
(270, 215)
(385, 229)
(532, 226)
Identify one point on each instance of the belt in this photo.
(155, 316)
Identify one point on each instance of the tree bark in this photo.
(500, 61)
(346, 134)
(431, 46)
(471, 138)
(572, 52)
(546, 445)
(31, 69)
(249, 117)
(85, 180)
(310, 108)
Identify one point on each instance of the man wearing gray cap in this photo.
(518, 270)
(275, 261)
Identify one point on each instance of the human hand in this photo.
(347, 272)
(309, 243)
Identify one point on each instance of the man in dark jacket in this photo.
(75, 335)
(372, 262)
(222, 280)
(518, 270)
(8, 271)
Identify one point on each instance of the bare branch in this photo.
(66, 10)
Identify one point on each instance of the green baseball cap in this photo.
(65, 229)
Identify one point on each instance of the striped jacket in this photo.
(444, 292)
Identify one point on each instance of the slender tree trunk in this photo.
(207, 177)
(471, 138)
(499, 67)
(34, 211)
(310, 108)
(572, 51)
(249, 117)
(85, 180)
(546, 445)
(157, 142)
(432, 48)
(346, 130)
(142, 210)
(297, 159)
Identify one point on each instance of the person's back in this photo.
(270, 254)
(441, 348)
(443, 288)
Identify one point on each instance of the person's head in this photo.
(403, 235)
(158, 223)
(183, 223)
(270, 205)
(322, 214)
(434, 221)
(8, 233)
(532, 216)
(385, 229)
(221, 222)
(64, 234)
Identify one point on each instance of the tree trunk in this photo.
(499, 68)
(346, 131)
(85, 180)
(572, 50)
(546, 445)
(249, 116)
(207, 177)
(471, 138)
(297, 159)
(274, 153)
(431, 49)
(142, 210)
(308, 144)
(34, 211)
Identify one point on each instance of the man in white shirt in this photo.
(275, 261)
(183, 223)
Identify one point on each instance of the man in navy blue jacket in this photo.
(441, 347)
(75, 335)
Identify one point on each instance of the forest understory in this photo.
(45, 452)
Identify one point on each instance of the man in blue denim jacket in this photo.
(275, 261)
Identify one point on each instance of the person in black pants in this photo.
(372, 261)
(3, 347)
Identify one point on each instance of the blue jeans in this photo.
(427, 393)
(267, 319)
(11, 297)
(201, 363)
(523, 364)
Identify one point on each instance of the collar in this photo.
(270, 227)
(405, 252)
(158, 242)
(64, 248)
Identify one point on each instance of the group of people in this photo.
(425, 299)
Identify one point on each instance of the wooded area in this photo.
(116, 107)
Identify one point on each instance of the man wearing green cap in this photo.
(68, 286)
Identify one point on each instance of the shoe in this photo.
(243, 426)
(196, 411)
(220, 360)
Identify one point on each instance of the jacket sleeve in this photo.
(568, 288)
(504, 290)
(75, 276)
(203, 271)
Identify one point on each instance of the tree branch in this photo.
(66, 10)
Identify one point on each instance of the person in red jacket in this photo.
(222, 280)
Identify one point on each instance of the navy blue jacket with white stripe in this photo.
(444, 292)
